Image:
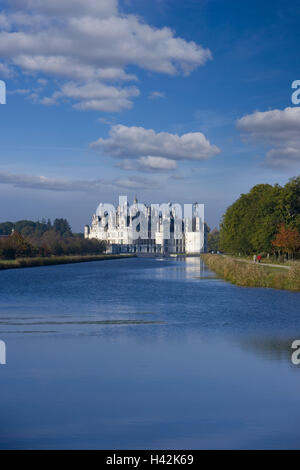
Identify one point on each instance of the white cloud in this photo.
(98, 96)
(136, 142)
(156, 94)
(284, 157)
(105, 121)
(157, 163)
(41, 182)
(4, 22)
(70, 68)
(91, 41)
(42, 81)
(272, 125)
(148, 164)
(6, 71)
(277, 128)
(133, 183)
(70, 7)
(55, 184)
(18, 91)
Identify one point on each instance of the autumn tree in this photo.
(287, 240)
(16, 246)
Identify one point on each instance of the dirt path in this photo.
(261, 264)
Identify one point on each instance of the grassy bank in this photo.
(55, 260)
(253, 275)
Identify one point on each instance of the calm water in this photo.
(142, 353)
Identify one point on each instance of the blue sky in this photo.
(171, 100)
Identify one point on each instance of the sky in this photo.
(173, 100)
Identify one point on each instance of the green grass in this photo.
(55, 260)
(282, 267)
(271, 260)
(253, 275)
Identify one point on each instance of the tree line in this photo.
(26, 238)
(266, 220)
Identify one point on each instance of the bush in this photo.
(7, 252)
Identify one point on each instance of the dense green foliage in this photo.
(252, 222)
(35, 230)
(213, 240)
(32, 239)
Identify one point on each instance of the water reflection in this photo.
(142, 353)
(183, 267)
(272, 348)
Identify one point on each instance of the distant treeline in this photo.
(28, 228)
(265, 220)
(26, 238)
(213, 240)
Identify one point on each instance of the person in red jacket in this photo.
(259, 258)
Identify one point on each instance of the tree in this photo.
(291, 203)
(22, 246)
(15, 246)
(62, 227)
(287, 240)
(213, 239)
(43, 238)
(251, 222)
(6, 228)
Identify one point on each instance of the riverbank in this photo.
(253, 275)
(55, 260)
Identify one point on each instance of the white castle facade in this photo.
(156, 229)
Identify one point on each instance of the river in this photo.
(146, 354)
